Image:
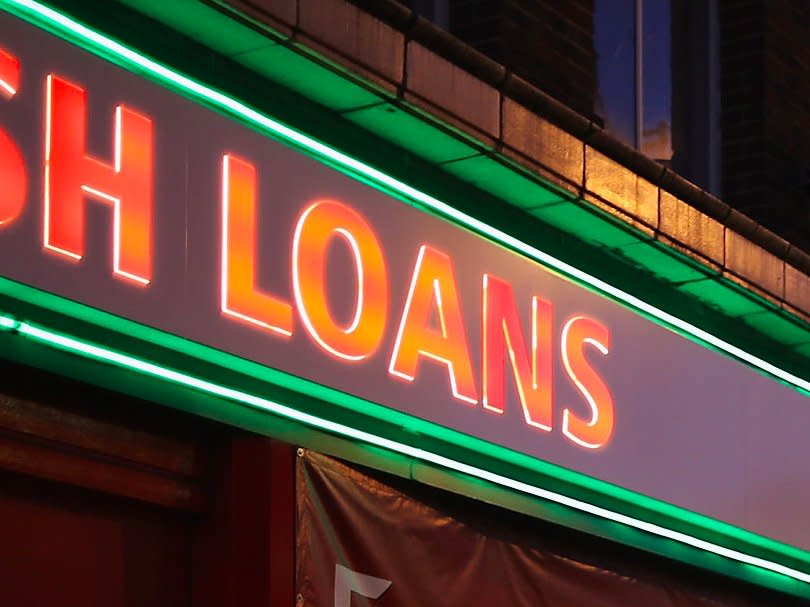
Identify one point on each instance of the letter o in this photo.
(317, 226)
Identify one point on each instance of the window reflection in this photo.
(648, 69)
(614, 39)
(656, 80)
(633, 45)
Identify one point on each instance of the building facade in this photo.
(322, 302)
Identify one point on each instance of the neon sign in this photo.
(431, 328)
(211, 231)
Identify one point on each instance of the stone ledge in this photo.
(689, 227)
(621, 187)
(797, 289)
(451, 89)
(535, 137)
(282, 11)
(752, 263)
(356, 35)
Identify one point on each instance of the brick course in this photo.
(765, 63)
(546, 42)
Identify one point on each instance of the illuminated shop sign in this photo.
(127, 197)
(427, 327)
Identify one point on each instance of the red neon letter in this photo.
(71, 175)
(501, 332)
(9, 74)
(317, 226)
(596, 431)
(433, 287)
(239, 296)
(12, 165)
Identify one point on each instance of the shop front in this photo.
(203, 305)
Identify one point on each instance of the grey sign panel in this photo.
(692, 427)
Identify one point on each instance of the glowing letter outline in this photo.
(277, 307)
(472, 397)
(377, 281)
(509, 323)
(569, 419)
(10, 72)
(145, 234)
(13, 175)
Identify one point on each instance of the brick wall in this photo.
(765, 62)
(547, 42)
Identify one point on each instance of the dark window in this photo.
(658, 81)
(615, 42)
(633, 46)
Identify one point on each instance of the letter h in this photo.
(71, 176)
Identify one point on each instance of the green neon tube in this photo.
(96, 352)
(37, 11)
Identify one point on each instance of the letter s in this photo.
(596, 431)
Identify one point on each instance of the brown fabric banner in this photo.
(362, 542)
